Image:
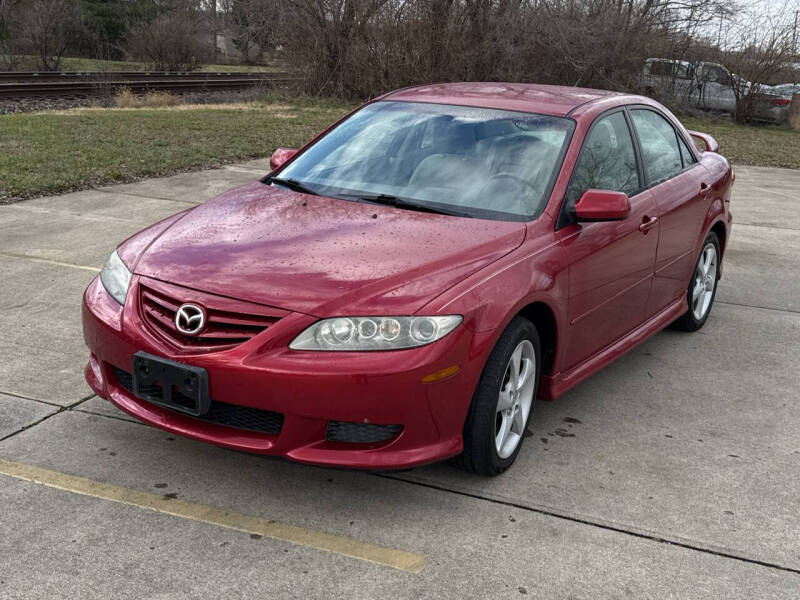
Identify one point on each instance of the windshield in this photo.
(475, 162)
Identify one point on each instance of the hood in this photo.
(322, 256)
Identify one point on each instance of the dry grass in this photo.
(159, 100)
(125, 98)
(761, 145)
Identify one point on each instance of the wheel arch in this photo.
(722, 233)
(718, 227)
(717, 219)
(543, 318)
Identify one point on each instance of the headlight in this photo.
(374, 333)
(116, 277)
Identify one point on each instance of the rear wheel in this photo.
(703, 286)
(501, 405)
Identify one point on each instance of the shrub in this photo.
(158, 99)
(124, 98)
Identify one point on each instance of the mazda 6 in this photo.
(401, 289)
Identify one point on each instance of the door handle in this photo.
(647, 224)
(704, 189)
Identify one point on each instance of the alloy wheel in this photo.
(515, 399)
(705, 280)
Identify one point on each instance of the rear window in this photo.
(659, 142)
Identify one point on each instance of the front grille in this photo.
(360, 433)
(228, 322)
(244, 417)
(222, 413)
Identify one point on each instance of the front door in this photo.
(610, 263)
(718, 93)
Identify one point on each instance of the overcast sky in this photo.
(753, 20)
(775, 8)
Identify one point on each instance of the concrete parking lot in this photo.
(675, 473)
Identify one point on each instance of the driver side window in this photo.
(607, 160)
(718, 75)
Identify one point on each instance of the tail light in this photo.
(780, 102)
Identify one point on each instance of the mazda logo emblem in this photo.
(190, 319)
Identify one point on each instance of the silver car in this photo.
(708, 86)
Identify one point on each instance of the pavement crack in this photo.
(34, 424)
(81, 401)
(784, 310)
(111, 191)
(61, 409)
(128, 420)
(590, 523)
(21, 397)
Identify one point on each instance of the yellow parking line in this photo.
(49, 261)
(338, 544)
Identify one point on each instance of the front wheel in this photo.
(703, 286)
(495, 426)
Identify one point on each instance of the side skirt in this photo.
(552, 386)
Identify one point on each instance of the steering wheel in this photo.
(508, 198)
(524, 184)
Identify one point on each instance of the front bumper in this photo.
(310, 389)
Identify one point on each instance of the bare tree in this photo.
(767, 48)
(173, 41)
(46, 28)
(360, 47)
(253, 26)
(9, 50)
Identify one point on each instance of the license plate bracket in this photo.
(174, 385)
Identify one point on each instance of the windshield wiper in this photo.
(398, 202)
(292, 184)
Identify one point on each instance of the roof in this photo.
(525, 97)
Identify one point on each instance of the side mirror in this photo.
(280, 156)
(707, 143)
(602, 205)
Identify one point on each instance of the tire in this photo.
(693, 319)
(485, 421)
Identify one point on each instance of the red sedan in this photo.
(400, 290)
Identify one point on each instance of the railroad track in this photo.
(36, 85)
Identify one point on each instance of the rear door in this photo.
(678, 185)
(610, 263)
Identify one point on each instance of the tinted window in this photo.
(607, 160)
(660, 153)
(669, 69)
(688, 159)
